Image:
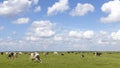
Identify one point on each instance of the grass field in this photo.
(71, 60)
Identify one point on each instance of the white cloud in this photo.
(58, 7)
(41, 35)
(35, 2)
(82, 34)
(37, 9)
(31, 38)
(103, 42)
(103, 32)
(112, 8)
(2, 28)
(88, 34)
(82, 9)
(115, 35)
(21, 21)
(60, 41)
(13, 7)
(41, 29)
(76, 34)
(58, 38)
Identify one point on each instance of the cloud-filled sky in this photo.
(59, 25)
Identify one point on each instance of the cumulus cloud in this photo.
(82, 9)
(35, 2)
(58, 7)
(43, 28)
(103, 42)
(42, 35)
(34, 40)
(21, 21)
(58, 38)
(112, 8)
(40, 29)
(13, 7)
(39, 36)
(37, 9)
(77, 34)
(82, 34)
(103, 32)
(88, 34)
(115, 35)
(2, 28)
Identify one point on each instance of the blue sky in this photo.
(59, 25)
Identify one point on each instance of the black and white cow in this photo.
(45, 53)
(35, 56)
(12, 55)
(97, 53)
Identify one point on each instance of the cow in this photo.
(97, 54)
(76, 53)
(45, 53)
(20, 53)
(82, 56)
(12, 55)
(6, 53)
(55, 53)
(2, 53)
(35, 56)
(62, 54)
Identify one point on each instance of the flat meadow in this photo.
(68, 60)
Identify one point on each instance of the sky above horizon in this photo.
(59, 25)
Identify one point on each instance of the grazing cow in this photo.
(62, 54)
(2, 53)
(6, 53)
(55, 53)
(20, 53)
(12, 55)
(68, 52)
(45, 53)
(97, 54)
(76, 53)
(32, 56)
(35, 56)
(82, 56)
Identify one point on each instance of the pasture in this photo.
(71, 60)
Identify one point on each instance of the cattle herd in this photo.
(35, 56)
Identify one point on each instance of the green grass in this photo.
(67, 61)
